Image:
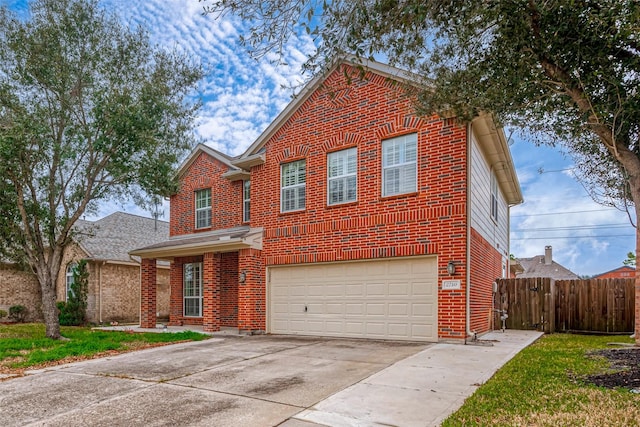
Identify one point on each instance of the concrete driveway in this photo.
(231, 381)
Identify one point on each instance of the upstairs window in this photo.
(494, 196)
(293, 178)
(342, 176)
(399, 165)
(246, 201)
(203, 208)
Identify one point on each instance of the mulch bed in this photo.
(625, 365)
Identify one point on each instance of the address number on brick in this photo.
(450, 284)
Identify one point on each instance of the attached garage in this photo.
(393, 299)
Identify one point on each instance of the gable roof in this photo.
(536, 267)
(112, 237)
(314, 84)
(201, 148)
(489, 136)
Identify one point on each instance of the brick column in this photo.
(148, 293)
(252, 293)
(175, 293)
(211, 292)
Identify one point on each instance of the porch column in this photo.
(148, 293)
(211, 292)
(175, 293)
(251, 293)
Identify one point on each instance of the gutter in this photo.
(468, 332)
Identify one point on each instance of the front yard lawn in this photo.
(26, 346)
(548, 384)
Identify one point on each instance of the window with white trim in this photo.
(494, 196)
(203, 208)
(342, 185)
(399, 165)
(293, 178)
(192, 289)
(246, 201)
(69, 279)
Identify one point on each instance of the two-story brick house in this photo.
(349, 216)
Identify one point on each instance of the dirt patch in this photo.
(625, 365)
(277, 385)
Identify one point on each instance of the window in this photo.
(342, 176)
(399, 165)
(246, 201)
(203, 208)
(69, 279)
(192, 289)
(494, 197)
(293, 177)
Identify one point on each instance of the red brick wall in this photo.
(229, 289)
(618, 273)
(430, 221)
(148, 293)
(486, 267)
(226, 197)
(252, 294)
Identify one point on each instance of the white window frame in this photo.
(293, 182)
(246, 201)
(202, 209)
(342, 173)
(400, 158)
(192, 289)
(494, 197)
(69, 279)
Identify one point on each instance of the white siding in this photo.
(481, 221)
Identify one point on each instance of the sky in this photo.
(241, 96)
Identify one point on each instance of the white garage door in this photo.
(382, 299)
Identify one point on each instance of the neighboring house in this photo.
(544, 266)
(114, 276)
(350, 216)
(624, 272)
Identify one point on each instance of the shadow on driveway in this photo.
(229, 381)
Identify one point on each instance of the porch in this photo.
(216, 281)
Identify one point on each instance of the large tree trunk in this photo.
(49, 308)
(47, 269)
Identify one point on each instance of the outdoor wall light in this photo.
(451, 268)
(242, 277)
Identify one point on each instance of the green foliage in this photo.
(631, 259)
(17, 313)
(26, 345)
(541, 386)
(566, 70)
(90, 111)
(3, 313)
(73, 312)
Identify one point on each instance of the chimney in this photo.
(548, 259)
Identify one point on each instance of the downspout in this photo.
(468, 332)
(100, 291)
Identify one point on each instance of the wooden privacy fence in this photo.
(590, 305)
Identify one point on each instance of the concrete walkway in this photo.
(262, 381)
(421, 390)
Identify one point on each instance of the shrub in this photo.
(3, 313)
(73, 312)
(18, 313)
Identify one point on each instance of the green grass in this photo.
(25, 345)
(541, 386)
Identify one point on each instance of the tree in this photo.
(631, 260)
(89, 111)
(566, 70)
(73, 311)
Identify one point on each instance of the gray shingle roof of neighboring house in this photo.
(112, 237)
(544, 266)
